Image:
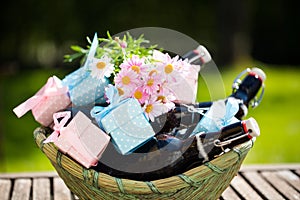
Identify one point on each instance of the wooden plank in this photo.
(243, 188)
(29, 175)
(290, 177)
(282, 186)
(41, 189)
(261, 185)
(21, 190)
(5, 187)
(61, 191)
(276, 166)
(229, 194)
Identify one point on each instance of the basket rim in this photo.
(104, 181)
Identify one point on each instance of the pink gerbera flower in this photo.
(153, 108)
(152, 82)
(127, 79)
(135, 63)
(169, 68)
(140, 94)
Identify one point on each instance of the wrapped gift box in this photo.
(127, 125)
(185, 90)
(82, 140)
(85, 89)
(50, 99)
(220, 114)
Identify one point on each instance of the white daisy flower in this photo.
(102, 67)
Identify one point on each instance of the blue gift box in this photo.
(126, 124)
(85, 89)
(220, 114)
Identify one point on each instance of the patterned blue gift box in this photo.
(220, 114)
(127, 125)
(85, 89)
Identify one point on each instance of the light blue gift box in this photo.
(220, 114)
(126, 123)
(83, 88)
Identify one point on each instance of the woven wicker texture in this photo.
(207, 181)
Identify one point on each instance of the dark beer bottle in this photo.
(213, 144)
(198, 56)
(247, 89)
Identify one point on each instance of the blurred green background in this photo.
(239, 34)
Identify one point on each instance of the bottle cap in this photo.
(259, 73)
(252, 127)
(205, 56)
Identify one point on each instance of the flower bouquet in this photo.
(146, 74)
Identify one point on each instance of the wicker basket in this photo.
(207, 181)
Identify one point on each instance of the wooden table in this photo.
(252, 182)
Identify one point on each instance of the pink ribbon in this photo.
(58, 126)
(53, 87)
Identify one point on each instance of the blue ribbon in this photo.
(98, 112)
(83, 72)
(219, 115)
(232, 107)
(92, 51)
(75, 78)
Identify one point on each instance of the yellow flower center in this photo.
(162, 98)
(149, 108)
(126, 80)
(150, 82)
(101, 65)
(169, 68)
(135, 68)
(121, 91)
(138, 94)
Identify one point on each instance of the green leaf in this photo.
(71, 58)
(77, 48)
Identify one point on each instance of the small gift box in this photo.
(84, 88)
(185, 90)
(125, 122)
(220, 114)
(50, 99)
(80, 139)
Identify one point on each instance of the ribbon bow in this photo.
(58, 126)
(220, 114)
(92, 51)
(232, 107)
(113, 97)
(53, 87)
(80, 74)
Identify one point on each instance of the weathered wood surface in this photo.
(252, 182)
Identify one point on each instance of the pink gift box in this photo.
(51, 98)
(185, 90)
(82, 140)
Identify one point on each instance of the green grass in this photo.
(278, 116)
